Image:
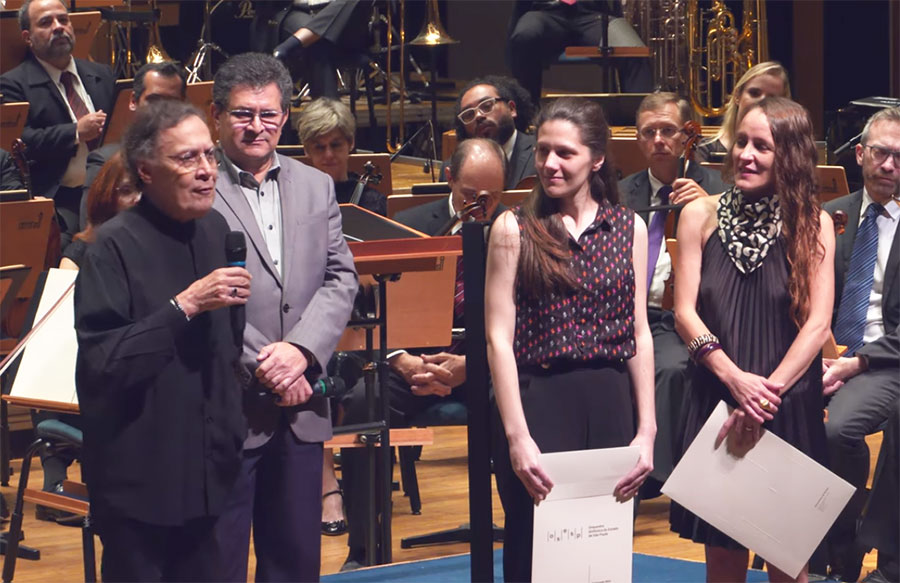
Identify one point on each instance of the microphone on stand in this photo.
(328, 387)
(236, 256)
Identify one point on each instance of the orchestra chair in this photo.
(56, 436)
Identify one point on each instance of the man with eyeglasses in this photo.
(497, 108)
(864, 384)
(160, 403)
(304, 284)
(659, 119)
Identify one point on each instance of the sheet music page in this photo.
(581, 533)
(47, 370)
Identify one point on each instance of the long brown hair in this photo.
(797, 188)
(544, 256)
(103, 196)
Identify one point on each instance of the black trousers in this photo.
(539, 36)
(137, 551)
(567, 408)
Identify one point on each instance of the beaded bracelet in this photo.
(704, 350)
(699, 341)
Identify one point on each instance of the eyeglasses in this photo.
(668, 132)
(879, 155)
(486, 106)
(268, 118)
(191, 161)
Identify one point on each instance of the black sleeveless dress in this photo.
(751, 316)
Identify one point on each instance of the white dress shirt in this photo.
(887, 226)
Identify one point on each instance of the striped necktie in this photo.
(851, 320)
(67, 78)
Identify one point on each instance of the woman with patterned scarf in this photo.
(749, 261)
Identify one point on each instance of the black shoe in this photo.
(48, 514)
(845, 560)
(351, 565)
(334, 527)
(877, 576)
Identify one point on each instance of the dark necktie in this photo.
(655, 233)
(850, 324)
(67, 78)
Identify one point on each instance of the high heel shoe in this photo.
(334, 527)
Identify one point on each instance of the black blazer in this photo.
(520, 166)
(49, 130)
(886, 350)
(635, 189)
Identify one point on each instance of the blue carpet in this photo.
(647, 569)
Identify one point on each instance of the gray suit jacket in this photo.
(308, 305)
(635, 189)
(886, 350)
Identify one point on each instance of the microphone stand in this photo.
(406, 144)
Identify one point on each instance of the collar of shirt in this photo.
(458, 226)
(510, 144)
(55, 73)
(602, 220)
(244, 178)
(892, 208)
(655, 185)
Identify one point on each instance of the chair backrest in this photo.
(832, 180)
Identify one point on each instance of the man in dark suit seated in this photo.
(497, 108)
(166, 80)
(417, 380)
(67, 100)
(659, 120)
(864, 384)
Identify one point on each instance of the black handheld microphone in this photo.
(328, 387)
(236, 256)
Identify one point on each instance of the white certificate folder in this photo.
(774, 500)
(581, 533)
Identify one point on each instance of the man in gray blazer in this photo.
(499, 109)
(864, 385)
(660, 118)
(304, 284)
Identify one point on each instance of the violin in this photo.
(371, 174)
(840, 222)
(467, 213)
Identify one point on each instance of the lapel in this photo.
(639, 195)
(519, 158)
(288, 193)
(853, 208)
(233, 197)
(440, 214)
(38, 77)
(891, 275)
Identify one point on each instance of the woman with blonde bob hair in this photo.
(753, 300)
(767, 79)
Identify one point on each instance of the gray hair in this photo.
(141, 139)
(324, 115)
(25, 19)
(888, 114)
(255, 70)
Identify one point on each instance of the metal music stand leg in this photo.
(478, 404)
(387, 478)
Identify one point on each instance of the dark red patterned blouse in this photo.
(596, 321)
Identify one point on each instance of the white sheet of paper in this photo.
(581, 533)
(47, 369)
(775, 500)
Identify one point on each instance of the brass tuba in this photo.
(720, 54)
(156, 53)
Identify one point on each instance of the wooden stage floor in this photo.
(443, 485)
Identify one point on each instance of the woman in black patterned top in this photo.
(568, 342)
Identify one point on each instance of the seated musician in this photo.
(420, 380)
(165, 80)
(312, 36)
(327, 131)
(497, 108)
(68, 99)
(863, 385)
(659, 120)
(539, 30)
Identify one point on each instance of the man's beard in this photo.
(57, 49)
(505, 129)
